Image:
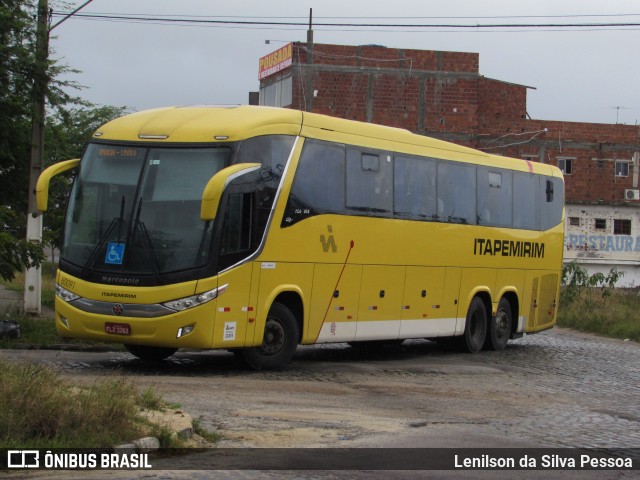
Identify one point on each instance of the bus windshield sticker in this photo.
(115, 254)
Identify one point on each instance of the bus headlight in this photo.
(65, 294)
(195, 300)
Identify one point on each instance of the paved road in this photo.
(556, 389)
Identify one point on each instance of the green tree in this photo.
(15, 253)
(17, 73)
(16, 68)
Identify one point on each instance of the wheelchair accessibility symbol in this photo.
(115, 254)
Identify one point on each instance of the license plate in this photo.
(117, 328)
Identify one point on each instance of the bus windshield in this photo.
(136, 210)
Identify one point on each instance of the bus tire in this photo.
(150, 354)
(499, 327)
(279, 343)
(475, 328)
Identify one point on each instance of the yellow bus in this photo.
(258, 229)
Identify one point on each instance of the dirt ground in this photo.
(555, 389)
(559, 389)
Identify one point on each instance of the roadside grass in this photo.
(33, 331)
(590, 303)
(614, 313)
(48, 283)
(41, 410)
(41, 332)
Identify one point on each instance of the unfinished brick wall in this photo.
(423, 91)
(500, 103)
(592, 149)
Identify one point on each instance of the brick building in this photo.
(443, 95)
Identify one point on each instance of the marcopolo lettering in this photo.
(508, 248)
(120, 280)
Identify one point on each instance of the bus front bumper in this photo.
(151, 326)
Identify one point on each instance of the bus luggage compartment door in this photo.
(334, 303)
(381, 295)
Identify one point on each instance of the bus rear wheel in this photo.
(279, 343)
(151, 354)
(475, 327)
(500, 327)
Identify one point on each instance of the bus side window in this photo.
(551, 201)
(526, 199)
(369, 183)
(318, 186)
(495, 195)
(272, 151)
(457, 191)
(236, 236)
(414, 188)
(243, 219)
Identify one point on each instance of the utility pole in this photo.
(32, 279)
(308, 87)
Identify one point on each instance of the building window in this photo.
(574, 221)
(601, 224)
(530, 158)
(600, 164)
(566, 165)
(278, 94)
(622, 227)
(622, 168)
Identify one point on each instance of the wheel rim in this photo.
(274, 337)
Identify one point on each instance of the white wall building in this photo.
(600, 237)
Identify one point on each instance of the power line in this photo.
(70, 14)
(190, 20)
(413, 17)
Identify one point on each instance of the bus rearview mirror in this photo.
(42, 187)
(216, 185)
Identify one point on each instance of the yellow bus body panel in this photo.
(399, 278)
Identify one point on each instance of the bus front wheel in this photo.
(500, 327)
(476, 327)
(151, 354)
(279, 342)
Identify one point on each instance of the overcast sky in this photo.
(579, 75)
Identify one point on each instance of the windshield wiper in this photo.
(147, 246)
(117, 221)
